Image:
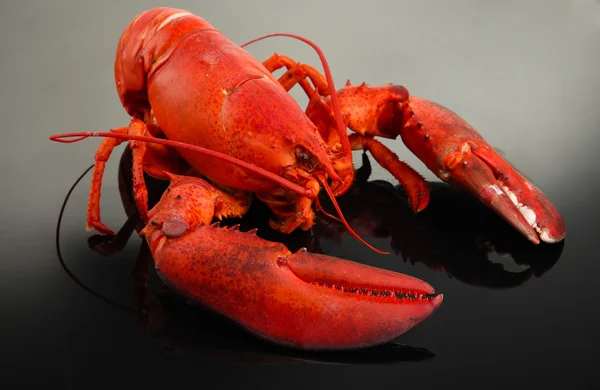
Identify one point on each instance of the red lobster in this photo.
(204, 108)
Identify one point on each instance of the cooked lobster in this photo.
(216, 123)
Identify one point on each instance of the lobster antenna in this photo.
(332, 91)
(346, 225)
(181, 145)
(62, 261)
(321, 209)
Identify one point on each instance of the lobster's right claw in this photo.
(303, 300)
(458, 154)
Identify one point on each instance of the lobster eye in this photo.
(308, 160)
(302, 154)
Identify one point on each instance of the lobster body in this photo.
(204, 108)
(236, 105)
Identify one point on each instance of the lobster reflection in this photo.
(441, 237)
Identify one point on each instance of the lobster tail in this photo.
(145, 41)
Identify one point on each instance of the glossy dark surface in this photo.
(525, 74)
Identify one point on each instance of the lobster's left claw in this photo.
(458, 154)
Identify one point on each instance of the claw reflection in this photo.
(455, 233)
(189, 329)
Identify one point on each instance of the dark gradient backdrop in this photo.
(525, 73)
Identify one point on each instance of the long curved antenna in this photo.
(62, 261)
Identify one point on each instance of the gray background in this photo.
(524, 73)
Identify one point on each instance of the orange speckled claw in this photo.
(301, 300)
(458, 154)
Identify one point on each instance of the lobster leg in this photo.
(302, 300)
(414, 184)
(297, 73)
(102, 154)
(152, 158)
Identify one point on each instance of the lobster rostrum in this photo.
(213, 120)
